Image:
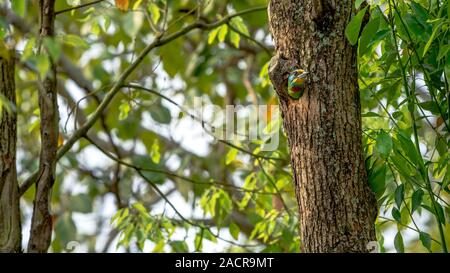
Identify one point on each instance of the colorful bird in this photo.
(296, 83)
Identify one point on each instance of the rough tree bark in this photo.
(337, 208)
(10, 227)
(41, 223)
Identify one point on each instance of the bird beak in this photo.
(301, 72)
(305, 73)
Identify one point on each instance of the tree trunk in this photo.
(41, 223)
(10, 228)
(337, 208)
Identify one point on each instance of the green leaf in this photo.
(371, 115)
(224, 206)
(446, 179)
(155, 154)
(409, 149)
(264, 75)
(416, 29)
(416, 198)
(368, 35)
(28, 50)
(398, 243)
(209, 236)
(161, 114)
(179, 246)
(384, 144)
(420, 12)
(120, 216)
(81, 203)
(106, 23)
(19, 7)
(146, 163)
(353, 28)
(132, 23)
(397, 215)
(75, 41)
(95, 28)
(399, 195)
(140, 236)
(235, 38)
(172, 63)
(402, 166)
(154, 11)
(66, 229)
(234, 230)
(425, 238)
(439, 212)
(431, 106)
(137, 4)
(448, 10)
(223, 30)
(139, 207)
(231, 155)
(433, 35)
(124, 110)
(212, 35)
(42, 64)
(377, 178)
(198, 242)
(443, 50)
(358, 3)
(239, 24)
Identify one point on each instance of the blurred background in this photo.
(151, 178)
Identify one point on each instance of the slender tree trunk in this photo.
(337, 208)
(10, 228)
(41, 224)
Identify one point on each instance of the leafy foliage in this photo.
(404, 66)
(140, 180)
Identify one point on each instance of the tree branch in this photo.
(10, 225)
(160, 41)
(138, 87)
(78, 7)
(250, 38)
(41, 223)
(174, 175)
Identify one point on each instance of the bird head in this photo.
(299, 73)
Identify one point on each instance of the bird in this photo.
(296, 83)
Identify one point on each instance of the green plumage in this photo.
(296, 83)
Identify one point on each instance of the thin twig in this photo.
(78, 7)
(250, 38)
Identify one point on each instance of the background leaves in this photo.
(145, 162)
